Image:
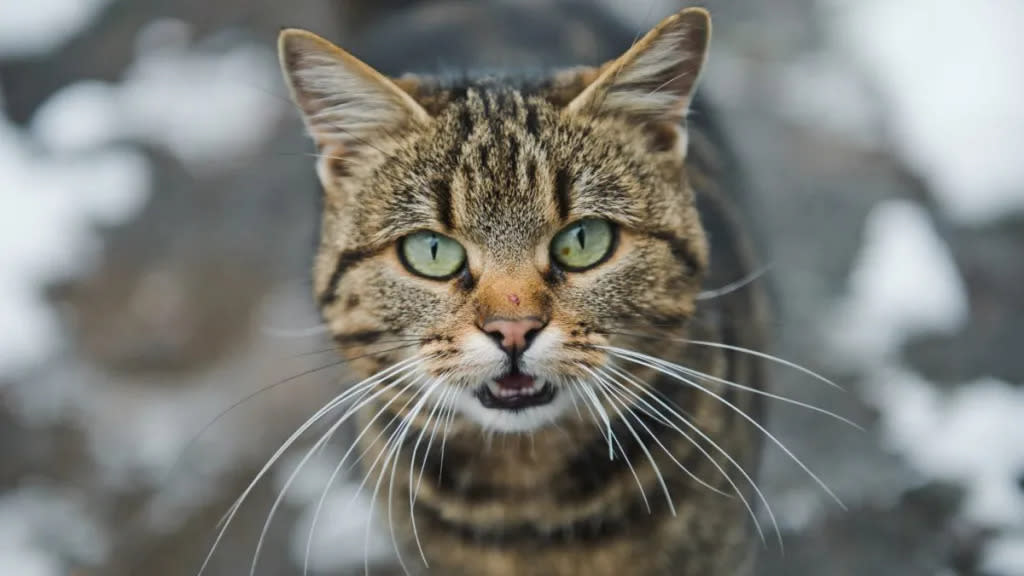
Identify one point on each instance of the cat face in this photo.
(496, 235)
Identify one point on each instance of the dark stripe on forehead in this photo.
(532, 120)
(563, 183)
(513, 152)
(445, 210)
(465, 123)
(531, 174)
(346, 260)
(485, 104)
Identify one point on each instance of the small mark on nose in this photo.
(513, 299)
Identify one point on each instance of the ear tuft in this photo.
(343, 101)
(655, 79)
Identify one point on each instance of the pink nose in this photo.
(513, 334)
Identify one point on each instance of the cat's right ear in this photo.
(345, 103)
(654, 81)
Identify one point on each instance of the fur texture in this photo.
(501, 165)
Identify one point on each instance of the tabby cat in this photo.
(516, 265)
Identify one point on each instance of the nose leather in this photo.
(514, 333)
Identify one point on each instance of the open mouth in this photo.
(515, 391)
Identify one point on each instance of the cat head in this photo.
(492, 236)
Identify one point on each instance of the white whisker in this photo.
(444, 437)
(734, 286)
(337, 469)
(625, 457)
(404, 365)
(394, 456)
(654, 465)
(615, 388)
(629, 379)
(604, 417)
(412, 469)
(704, 376)
(742, 350)
(629, 357)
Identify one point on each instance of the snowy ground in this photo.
(156, 219)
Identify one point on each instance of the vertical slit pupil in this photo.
(581, 237)
(433, 247)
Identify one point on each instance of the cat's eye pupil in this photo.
(581, 237)
(433, 247)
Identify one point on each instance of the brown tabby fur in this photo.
(501, 166)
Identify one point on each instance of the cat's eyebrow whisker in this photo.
(671, 411)
(647, 452)
(397, 368)
(708, 377)
(646, 362)
(615, 388)
(316, 446)
(736, 285)
(625, 456)
(742, 350)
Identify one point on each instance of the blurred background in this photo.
(158, 214)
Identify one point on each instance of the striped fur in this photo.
(502, 164)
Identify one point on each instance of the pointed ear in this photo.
(655, 79)
(344, 102)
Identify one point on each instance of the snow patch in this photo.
(971, 436)
(43, 531)
(347, 533)
(904, 282)
(154, 434)
(1004, 556)
(30, 28)
(823, 92)
(207, 108)
(52, 206)
(951, 76)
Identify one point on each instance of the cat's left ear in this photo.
(654, 80)
(344, 102)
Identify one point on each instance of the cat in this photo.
(519, 265)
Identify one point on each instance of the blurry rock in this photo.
(915, 536)
(991, 262)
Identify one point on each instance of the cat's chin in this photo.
(532, 408)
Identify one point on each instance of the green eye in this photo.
(583, 244)
(432, 255)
